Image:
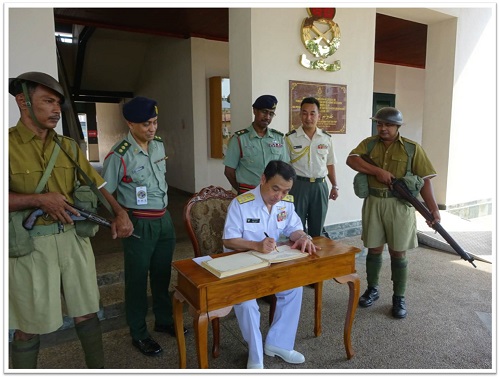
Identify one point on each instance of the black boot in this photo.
(370, 295)
(398, 307)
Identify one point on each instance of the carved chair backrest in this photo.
(204, 218)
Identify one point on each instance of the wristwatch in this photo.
(335, 187)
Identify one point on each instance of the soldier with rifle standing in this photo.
(386, 218)
(56, 262)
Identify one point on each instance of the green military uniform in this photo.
(310, 158)
(393, 159)
(60, 257)
(138, 177)
(249, 154)
(386, 219)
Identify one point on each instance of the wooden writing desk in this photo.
(210, 297)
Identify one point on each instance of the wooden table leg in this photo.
(179, 328)
(200, 323)
(352, 281)
(318, 307)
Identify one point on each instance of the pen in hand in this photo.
(275, 247)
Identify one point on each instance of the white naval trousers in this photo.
(282, 331)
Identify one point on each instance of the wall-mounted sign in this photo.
(321, 37)
(92, 133)
(332, 99)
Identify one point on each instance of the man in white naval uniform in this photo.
(255, 220)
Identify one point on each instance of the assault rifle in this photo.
(402, 191)
(84, 215)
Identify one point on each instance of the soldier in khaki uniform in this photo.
(62, 262)
(135, 168)
(249, 150)
(313, 157)
(385, 218)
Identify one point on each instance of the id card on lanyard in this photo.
(141, 195)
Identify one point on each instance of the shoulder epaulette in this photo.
(326, 133)
(288, 198)
(245, 197)
(276, 132)
(406, 140)
(291, 132)
(66, 137)
(241, 132)
(122, 147)
(158, 139)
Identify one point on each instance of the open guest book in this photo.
(246, 261)
(283, 253)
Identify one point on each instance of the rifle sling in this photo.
(48, 170)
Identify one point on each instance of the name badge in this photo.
(297, 147)
(141, 195)
(253, 220)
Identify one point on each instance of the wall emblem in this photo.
(321, 37)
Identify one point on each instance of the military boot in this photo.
(398, 307)
(369, 296)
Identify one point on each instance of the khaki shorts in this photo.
(61, 267)
(391, 221)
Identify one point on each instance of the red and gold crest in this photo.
(321, 37)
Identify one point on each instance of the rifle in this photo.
(403, 192)
(29, 222)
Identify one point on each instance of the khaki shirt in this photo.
(128, 167)
(394, 159)
(28, 158)
(252, 153)
(310, 157)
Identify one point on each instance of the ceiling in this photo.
(209, 23)
(397, 41)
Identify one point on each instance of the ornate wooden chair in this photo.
(204, 218)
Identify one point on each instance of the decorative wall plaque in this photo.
(332, 99)
(321, 36)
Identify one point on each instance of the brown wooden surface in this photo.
(205, 293)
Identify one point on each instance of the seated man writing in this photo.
(255, 220)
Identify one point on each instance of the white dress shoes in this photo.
(290, 356)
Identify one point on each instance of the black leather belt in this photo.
(311, 179)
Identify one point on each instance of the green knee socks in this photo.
(25, 353)
(399, 276)
(373, 266)
(90, 335)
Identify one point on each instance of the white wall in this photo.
(460, 106)
(472, 166)
(209, 58)
(31, 47)
(408, 84)
(275, 48)
(111, 127)
(167, 77)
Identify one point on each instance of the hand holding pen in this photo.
(275, 247)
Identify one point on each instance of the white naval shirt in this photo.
(248, 218)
